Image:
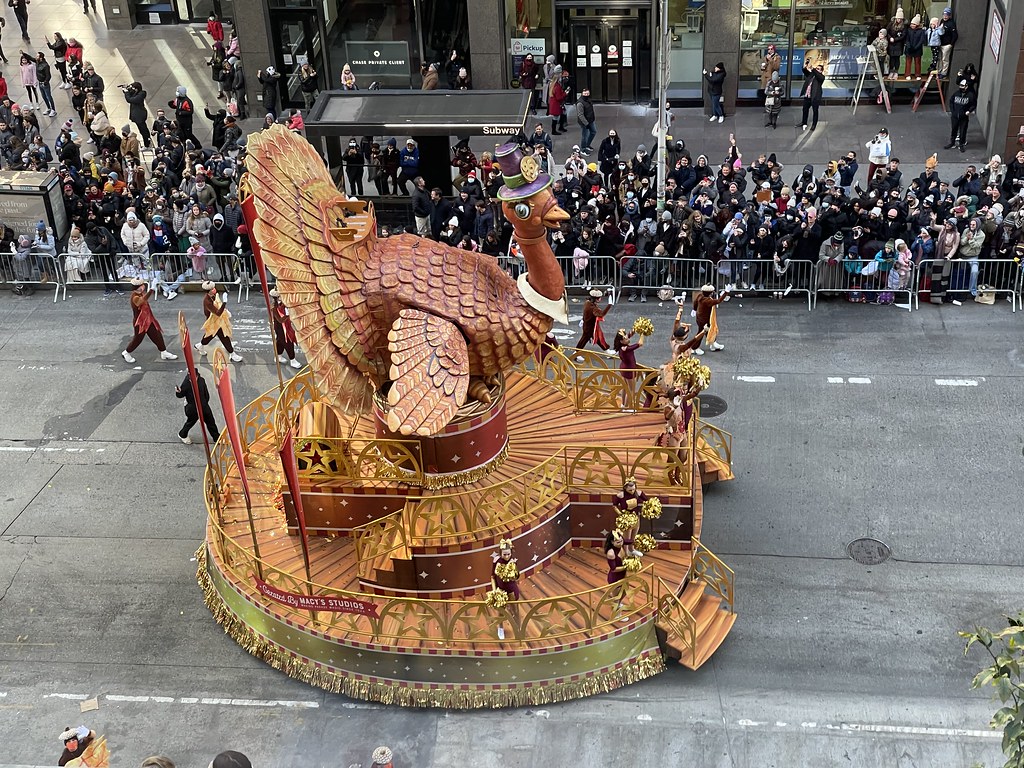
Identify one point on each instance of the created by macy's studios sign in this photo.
(317, 602)
(376, 58)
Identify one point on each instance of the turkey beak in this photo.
(553, 215)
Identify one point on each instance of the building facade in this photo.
(609, 45)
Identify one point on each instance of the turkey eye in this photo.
(522, 211)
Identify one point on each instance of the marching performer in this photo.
(505, 575)
(145, 323)
(75, 741)
(614, 544)
(218, 322)
(678, 342)
(284, 334)
(704, 310)
(593, 315)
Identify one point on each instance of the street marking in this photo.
(16, 449)
(881, 728)
(124, 699)
(644, 718)
(68, 696)
(858, 380)
(836, 380)
(757, 379)
(957, 382)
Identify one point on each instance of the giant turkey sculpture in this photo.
(424, 324)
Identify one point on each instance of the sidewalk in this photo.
(160, 58)
(166, 56)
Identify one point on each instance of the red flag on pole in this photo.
(291, 474)
(222, 379)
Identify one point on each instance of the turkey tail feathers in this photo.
(319, 277)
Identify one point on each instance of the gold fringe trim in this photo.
(405, 695)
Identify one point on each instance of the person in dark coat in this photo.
(716, 78)
(811, 92)
(136, 98)
(184, 113)
(961, 106)
(269, 78)
(184, 390)
(440, 213)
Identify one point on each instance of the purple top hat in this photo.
(522, 174)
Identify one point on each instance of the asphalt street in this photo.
(848, 421)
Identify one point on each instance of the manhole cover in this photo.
(712, 405)
(868, 551)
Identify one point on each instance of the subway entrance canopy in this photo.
(431, 118)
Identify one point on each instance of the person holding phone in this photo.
(811, 90)
(716, 79)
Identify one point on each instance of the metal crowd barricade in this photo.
(656, 272)
(763, 277)
(164, 271)
(997, 277)
(847, 277)
(598, 272)
(36, 271)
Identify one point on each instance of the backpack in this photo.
(886, 297)
(856, 296)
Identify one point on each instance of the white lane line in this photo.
(16, 449)
(757, 379)
(836, 380)
(68, 696)
(882, 728)
(957, 382)
(858, 380)
(124, 699)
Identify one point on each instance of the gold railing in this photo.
(431, 520)
(297, 392)
(411, 622)
(595, 382)
(374, 540)
(718, 576)
(673, 616)
(359, 459)
(713, 443)
(256, 419)
(606, 467)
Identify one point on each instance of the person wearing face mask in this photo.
(962, 105)
(354, 163)
(556, 102)
(641, 164)
(608, 154)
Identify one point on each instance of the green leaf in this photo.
(1003, 689)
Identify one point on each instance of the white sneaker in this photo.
(698, 351)
(165, 355)
(711, 119)
(172, 295)
(127, 356)
(186, 440)
(721, 119)
(716, 346)
(234, 357)
(501, 633)
(295, 364)
(282, 358)
(202, 350)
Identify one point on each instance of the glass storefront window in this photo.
(762, 23)
(353, 26)
(532, 20)
(829, 32)
(686, 48)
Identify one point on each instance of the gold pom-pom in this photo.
(689, 371)
(651, 509)
(645, 543)
(626, 520)
(643, 326)
(506, 571)
(496, 598)
(632, 564)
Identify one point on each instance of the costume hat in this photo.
(522, 175)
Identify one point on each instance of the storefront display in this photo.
(686, 48)
(833, 33)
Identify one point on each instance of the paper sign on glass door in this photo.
(595, 59)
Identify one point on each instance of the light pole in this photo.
(663, 76)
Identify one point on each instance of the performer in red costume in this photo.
(505, 575)
(218, 322)
(144, 323)
(284, 334)
(593, 315)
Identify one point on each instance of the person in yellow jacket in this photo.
(218, 322)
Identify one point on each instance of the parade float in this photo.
(355, 512)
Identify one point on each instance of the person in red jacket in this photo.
(215, 28)
(144, 323)
(556, 102)
(3, 87)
